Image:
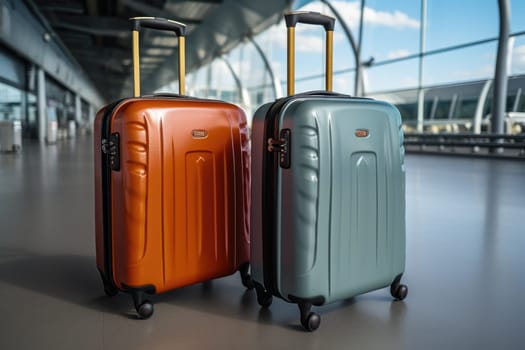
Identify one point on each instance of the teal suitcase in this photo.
(328, 195)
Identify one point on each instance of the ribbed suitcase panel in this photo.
(179, 200)
(341, 206)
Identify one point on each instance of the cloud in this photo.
(396, 20)
(485, 71)
(343, 84)
(397, 54)
(518, 59)
(350, 11)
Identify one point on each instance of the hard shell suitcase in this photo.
(10, 135)
(328, 194)
(171, 188)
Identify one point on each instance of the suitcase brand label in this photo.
(361, 133)
(199, 134)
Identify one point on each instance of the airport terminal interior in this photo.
(457, 80)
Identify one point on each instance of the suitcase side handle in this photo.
(292, 18)
(160, 24)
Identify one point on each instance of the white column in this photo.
(41, 104)
(78, 109)
(421, 91)
(91, 115)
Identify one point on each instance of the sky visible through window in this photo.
(391, 31)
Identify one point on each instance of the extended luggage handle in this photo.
(160, 24)
(292, 18)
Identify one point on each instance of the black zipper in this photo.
(106, 193)
(269, 198)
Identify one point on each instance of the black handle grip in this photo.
(292, 18)
(158, 23)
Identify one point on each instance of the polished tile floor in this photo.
(465, 270)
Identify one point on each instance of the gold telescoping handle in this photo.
(182, 65)
(292, 18)
(136, 64)
(160, 24)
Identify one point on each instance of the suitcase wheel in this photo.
(400, 292)
(264, 298)
(310, 320)
(397, 290)
(144, 307)
(110, 290)
(145, 310)
(245, 276)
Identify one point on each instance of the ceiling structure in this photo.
(98, 35)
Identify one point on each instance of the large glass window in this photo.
(517, 9)
(12, 69)
(60, 103)
(31, 127)
(391, 28)
(12, 101)
(518, 55)
(471, 63)
(452, 22)
(391, 36)
(393, 76)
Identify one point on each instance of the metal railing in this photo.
(494, 145)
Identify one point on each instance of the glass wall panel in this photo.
(517, 9)
(12, 68)
(12, 103)
(84, 111)
(344, 82)
(518, 56)
(472, 63)
(391, 28)
(31, 126)
(249, 66)
(453, 22)
(393, 76)
(60, 105)
(222, 84)
(273, 43)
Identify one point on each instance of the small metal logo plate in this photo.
(361, 133)
(199, 133)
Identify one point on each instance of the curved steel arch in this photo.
(276, 84)
(355, 48)
(245, 99)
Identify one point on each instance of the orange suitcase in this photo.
(172, 179)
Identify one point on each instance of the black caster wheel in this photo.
(110, 290)
(312, 322)
(246, 279)
(264, 298)
(145, 310)
(143, 306)
(397, 290)
(247, 282)
(400, 292)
